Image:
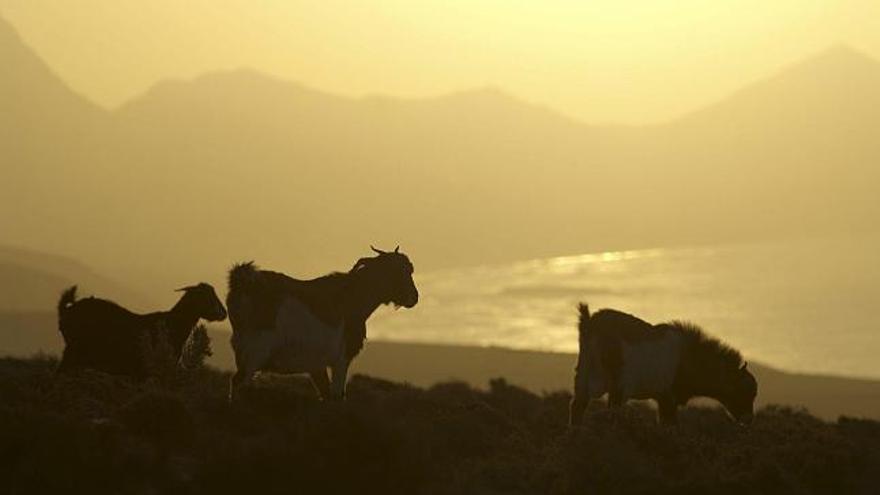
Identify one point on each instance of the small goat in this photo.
(102, 335)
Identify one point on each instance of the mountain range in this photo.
(31, 281)
(178, 183)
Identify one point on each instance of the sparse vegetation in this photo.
(196, 349)
(92, 433)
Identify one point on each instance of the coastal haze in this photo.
(738, 192)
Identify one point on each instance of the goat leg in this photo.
(321, 382)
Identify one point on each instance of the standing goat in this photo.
(629, 358)
(287, 325)
(102, 335)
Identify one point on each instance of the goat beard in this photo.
(393, 304)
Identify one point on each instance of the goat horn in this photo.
(184, 289)
(397, 249)
(378, 251)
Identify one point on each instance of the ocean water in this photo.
(807, 306)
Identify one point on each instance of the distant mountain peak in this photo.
(251, 89)
(495, 99)
(836, 57)
(243, 81)
(484, 92)
(838, 65)
(238, 77)
(29, 85)
(5, 27)
(835, 81)
(844, 50)
(243, 75)
(11, 42)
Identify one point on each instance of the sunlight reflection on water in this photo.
(804, 306)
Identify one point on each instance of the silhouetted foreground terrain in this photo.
(95, 433)
(24, 334)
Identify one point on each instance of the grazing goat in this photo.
(286, 325)
(102, 335)
(671, 363)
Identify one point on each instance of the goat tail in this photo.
(583, 324)
(68, 297)
(242, 276)
(244, 280)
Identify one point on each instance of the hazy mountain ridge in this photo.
(839, 78)
(29, 85)
(237, 165)
(33, 281)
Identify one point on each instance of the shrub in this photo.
(196, 350)
(158, 356)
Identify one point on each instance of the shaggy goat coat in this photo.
(287, 325)
(629, 358)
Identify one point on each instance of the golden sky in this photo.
(627, 61)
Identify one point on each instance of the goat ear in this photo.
(360, 263)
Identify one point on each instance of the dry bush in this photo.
(196, 350)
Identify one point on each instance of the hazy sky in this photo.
(602, 61)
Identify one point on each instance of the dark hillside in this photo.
(93, 433)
